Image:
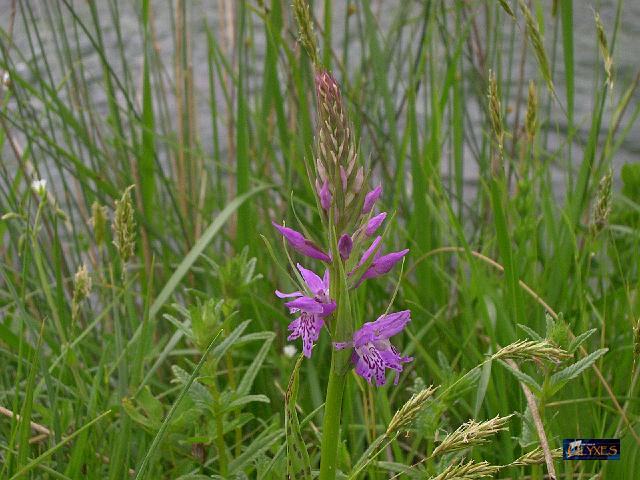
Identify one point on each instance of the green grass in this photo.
(174, 367)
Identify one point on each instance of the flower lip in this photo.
(308, 327)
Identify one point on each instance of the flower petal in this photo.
(371, 198)
(301, 244)
(308, 327)
(384, 327)
(374, 224)
(325, 196)
(280, 294)
(345, 244)
(313, 281)
(305, 304)
(328, 308)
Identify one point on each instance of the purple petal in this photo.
(301, 244)
(371, 198)
(313, 281)
(370, 364)
(373, 247)
(382, 265)
(342, 345)
(305, 304)
(372, 361)
(328, 308)
(325, 196)
(385, 327)
(345, 244)
(357, 183)
(325, 280)
(375, 223)
(279, 294)
(386, 262)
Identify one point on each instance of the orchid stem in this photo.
(331, 420)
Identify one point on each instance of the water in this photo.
(587, 60)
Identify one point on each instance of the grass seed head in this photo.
(531, 350)
(468, 471)
(409, 411)
(495, 112)
(124, 226)
(603, 204)
(470, 434)
(99, 222)
(531, 122)
(305, 28)
(81, 289)
(535, 457)
(604, 49)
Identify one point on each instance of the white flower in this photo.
(39, 186)
(290, 351)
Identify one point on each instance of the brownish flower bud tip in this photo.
(327, 87)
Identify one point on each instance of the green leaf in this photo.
(572, 371)
(221, 349)
(523, 377)
(580, 339)
(151, 405)
(244, 400)
(483, 383)
(256, 448)
(530, 331)
(298, 465)
(198, 392)
(247, 381)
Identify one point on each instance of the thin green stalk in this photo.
(331, 420)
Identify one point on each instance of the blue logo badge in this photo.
(591, 449)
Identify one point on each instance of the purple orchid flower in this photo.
(325, 196)
(374, 224)
(345, 244)
(381, 263)
(301, 244)
(373, 352)
(312, 309)
(371, 198)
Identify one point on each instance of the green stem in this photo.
(331, 420)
